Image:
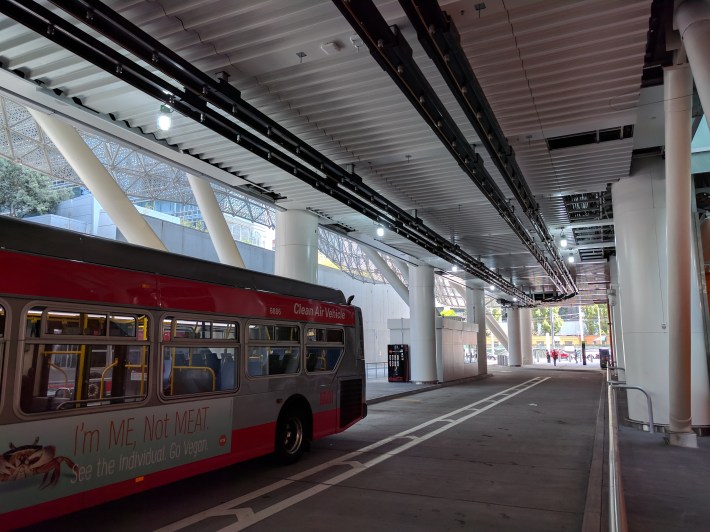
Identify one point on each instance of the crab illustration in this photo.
(27, 460)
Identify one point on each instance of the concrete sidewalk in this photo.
(380, 389)
(666, 488)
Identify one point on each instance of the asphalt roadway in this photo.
(508, 452)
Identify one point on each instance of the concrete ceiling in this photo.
(549, 70)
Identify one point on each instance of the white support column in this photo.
(387, 272)
(678, 89)
(468, 297)
(526, 335)
(640, 218)
(616, 326)
(217, 227)
(422, 326)
(497, 331)
(693, 21)
(477, 296)
(297, 245)
(99, 182)
(515, 357)
(403, 268)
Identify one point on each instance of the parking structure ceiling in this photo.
(292, 102)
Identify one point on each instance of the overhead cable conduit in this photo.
(203, 94)
(440, 40)
(393, 54)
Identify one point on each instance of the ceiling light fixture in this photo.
(570, 259)
(380, 231)
(491, 288)
(563, 242)
(164, 118)
(455, 268)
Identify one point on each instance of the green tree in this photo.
(540, 316)
(24, 192)
(593, 316)
(543, 317)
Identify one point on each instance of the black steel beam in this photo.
(393, 54)
(440, 39)
(194, 90)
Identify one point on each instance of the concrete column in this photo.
(478, 300)
(678, 88)
(497, 331)
(639, 216)
(617, 337)
(515, 355)
(526, 335)
(99, 182)
(297, 245)
(217, 227)
(387, 272)
(403, 268)
(693, 21)
(422, 325)
(470, 304)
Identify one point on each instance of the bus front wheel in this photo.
(291, 436)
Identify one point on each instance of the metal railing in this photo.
(617, 503)
(373, 369)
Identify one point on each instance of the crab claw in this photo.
(52, 471)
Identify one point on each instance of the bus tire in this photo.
(291, 436)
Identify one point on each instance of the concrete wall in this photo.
(451, 337)
(379, 302)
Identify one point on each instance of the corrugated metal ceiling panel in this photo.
(547, 67)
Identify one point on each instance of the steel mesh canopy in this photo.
(140, 176)
(143, 177)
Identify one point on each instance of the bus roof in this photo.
(37, 239)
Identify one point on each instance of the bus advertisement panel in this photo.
(89, 451)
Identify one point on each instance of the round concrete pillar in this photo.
(693, 22)
(477, 296)
(297, 245)
(515, 355)
(99, 182)
(217, 226)
(422, 325)
(678, 88)
(526, 335)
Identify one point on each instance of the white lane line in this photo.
(348, 459)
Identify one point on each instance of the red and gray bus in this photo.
(126, 368)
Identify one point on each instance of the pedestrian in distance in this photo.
(554, 356)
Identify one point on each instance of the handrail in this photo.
(610, 366)
(377, 366)
(651, 426)
(617, 503)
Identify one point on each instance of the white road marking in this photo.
(248, 517)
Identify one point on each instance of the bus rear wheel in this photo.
(291, 436)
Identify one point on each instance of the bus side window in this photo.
(193, 370)
(228, 373)
(256, 364)
(323, 358)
